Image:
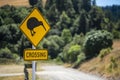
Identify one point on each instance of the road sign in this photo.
(35, 27)
(35, 54)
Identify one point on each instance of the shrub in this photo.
(6, 53)
(73, 52)
(104, 52)
(112, 65)
(70, 53)
(54, 45)
(80, 58)
(66, 35)
(95, 41)
(78, 39)
(116, 34)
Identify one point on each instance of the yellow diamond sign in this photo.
(35, 27)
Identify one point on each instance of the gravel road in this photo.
(61, 73)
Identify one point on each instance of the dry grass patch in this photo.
(13, 68)
(12, 78)
(14, 2)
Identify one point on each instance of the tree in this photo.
(1, 21)
(52, 15)
(40, 6)
(54, 44)
(6, 53)
(96, 18)
(84, 23)
(81, 23)
(64, 21)
(64, 5)
(94, 2)
(49, 3)
(86, 5)
(19, 14)
(23, 43)
(66, 35)
(77, 4)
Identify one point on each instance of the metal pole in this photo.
(33, 67)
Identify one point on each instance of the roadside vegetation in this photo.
(81, 34)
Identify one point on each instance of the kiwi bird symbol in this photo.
(33, 23)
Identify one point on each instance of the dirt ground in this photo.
(14, 2)
(116, 44)
(12, 78)
(17, 2)
(11, 68)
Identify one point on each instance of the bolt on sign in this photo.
(35, 54)
(35, 27)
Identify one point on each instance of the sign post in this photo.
(35, 27)
(33, 67)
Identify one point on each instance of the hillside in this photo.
(14, 2)
(108, 66)
(17, 2)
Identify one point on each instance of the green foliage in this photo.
(112, 12)
(1, 21)
(49, 3)
(116, 34)
(97, 41)
(64, 5)
(96, 17)
(77, 4)
(75, 26)
(78, 39)
(6, 53)
(64, 21)
(118, 26)
(52, 16)
(104, 52)
(80, 58)
(9, 33)
(70, 53)
(54, 45)
(22, 44)
(113, 65)
(19, 14)
(86, 5)
(73, 52)
(40, 6)
(81, 23)
(66, 35)
(116, 30)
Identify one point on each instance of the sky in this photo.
(107, 2)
